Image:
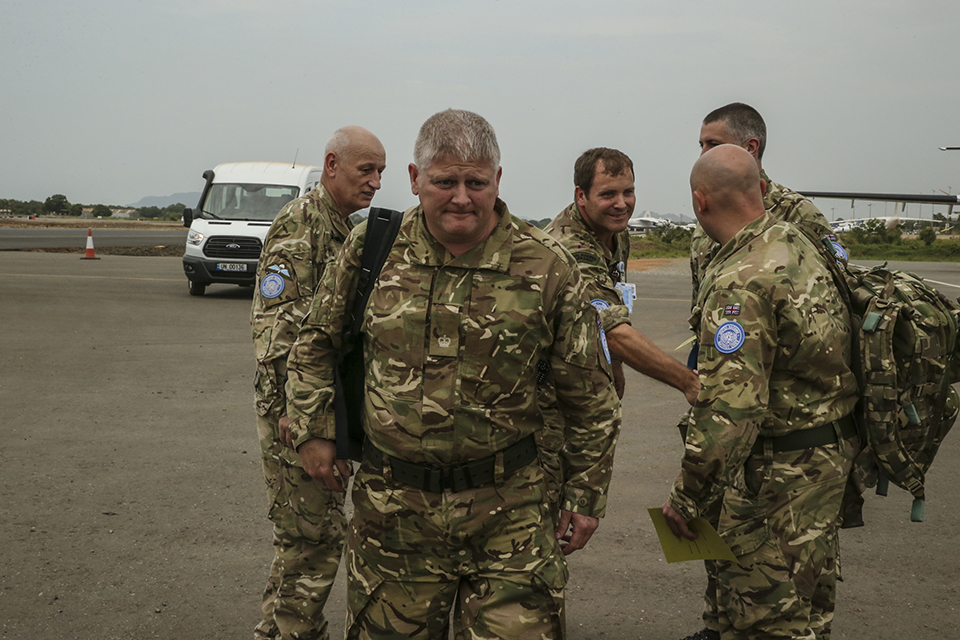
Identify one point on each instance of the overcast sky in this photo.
(108, 101)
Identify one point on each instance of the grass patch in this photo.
(667, 243)
(675, 243)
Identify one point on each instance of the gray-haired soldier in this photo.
(308, 521)
(449, 501)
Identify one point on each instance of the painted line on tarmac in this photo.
(946, 284)
(56, 275)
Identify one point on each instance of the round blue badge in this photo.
(839, 250)
(600, 305)
(729, 337)
(271, 286)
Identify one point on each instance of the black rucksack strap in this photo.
(382, 228)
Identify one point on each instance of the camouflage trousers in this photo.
(309, 528)
(781, 518)
(489, 554)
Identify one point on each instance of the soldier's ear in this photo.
(580, 197)
(414, 174)
(330, 164)
(699, 203)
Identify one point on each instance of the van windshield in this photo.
(247, 201)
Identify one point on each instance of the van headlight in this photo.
(194, 237)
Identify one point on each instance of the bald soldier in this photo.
(308, 519)
(741, 125)
(770, 434)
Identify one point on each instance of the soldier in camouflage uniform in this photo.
(770, 435)
(742, 125)
(308, 520)
(449, 503)
(594, 230)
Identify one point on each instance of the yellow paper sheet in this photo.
(707, 546)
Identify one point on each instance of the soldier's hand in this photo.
(318, 457)
(284, 428)
(677, 523)
(574, 530)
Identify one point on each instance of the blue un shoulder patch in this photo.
(271, 285)
(729, 337)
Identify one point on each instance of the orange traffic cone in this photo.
(89, 254)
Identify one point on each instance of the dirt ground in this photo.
(132, 503)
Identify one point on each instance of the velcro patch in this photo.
(730, 336)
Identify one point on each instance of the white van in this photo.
(237, 207)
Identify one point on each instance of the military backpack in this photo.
(906, 359)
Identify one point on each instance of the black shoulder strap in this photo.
(382, 228)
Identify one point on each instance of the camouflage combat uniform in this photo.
(451, 346)
(783, 204)
(602, 269)
(774, 359)
(308, 521)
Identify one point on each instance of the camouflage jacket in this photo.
(774, 354)
(303, 239)
(602, 269)
(450, 349)
(781, 202)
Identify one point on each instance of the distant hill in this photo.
(190, 199)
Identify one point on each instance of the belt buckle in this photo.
(432, 479)
(458, 477)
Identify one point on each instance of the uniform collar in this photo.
(749, 232)
(340, 222)
(579, 227)
(493, 253)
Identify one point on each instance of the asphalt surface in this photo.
(65, 238)
(132, 503)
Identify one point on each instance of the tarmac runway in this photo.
(132, 502)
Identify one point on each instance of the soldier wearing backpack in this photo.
(739, 124)
(770, 434)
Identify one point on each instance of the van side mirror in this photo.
(187, 217)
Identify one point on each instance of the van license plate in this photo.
(231, 266)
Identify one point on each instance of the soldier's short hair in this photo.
(615, 163)
(463, 135)
(743, 122)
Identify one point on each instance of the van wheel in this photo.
(196, 288)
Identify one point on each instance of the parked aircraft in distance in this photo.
(646, 223)
(949, 200)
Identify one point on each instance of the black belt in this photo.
(455, 477)
(816, 437)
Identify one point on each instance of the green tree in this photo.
(174, 211)
(101, 211)
(927, 235)
(75, 210)
(149, 212)
(56, 204)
